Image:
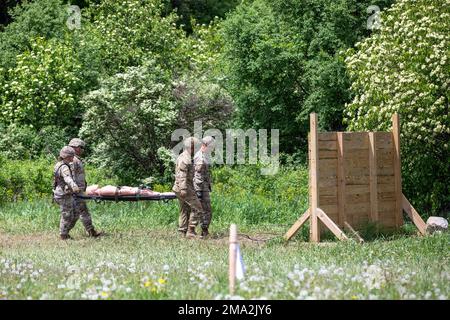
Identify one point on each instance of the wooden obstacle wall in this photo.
(354, 179)
(357, 178)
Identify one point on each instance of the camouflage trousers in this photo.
(72, 210)
(205, 200)
(191, 211)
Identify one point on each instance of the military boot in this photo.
(191, 234)
(65, 237)
(93, 233)
(205, 232)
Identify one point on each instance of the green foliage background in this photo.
(157, 65)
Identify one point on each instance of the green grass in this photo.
(142, 257)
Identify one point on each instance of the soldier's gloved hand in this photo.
(75, 189)
(183, 193)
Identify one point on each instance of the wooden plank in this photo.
(330, 164)
(330, 209)
(357, 155)
(386, 196)
(297, 225)
(384, 140)
(331, 225)
(386, 179)
(413, 215)
(357, 209)
(397, 169)
(326, 136)
(373, 177)
(357, 198)
(314, 177)
(356, 234)
(386, 171)
(356, 189)
(340, 179)
(386, 188)
(357, 172)
(327, 154)
(328, 191)
(327, 182)
(327, 145)
(357, 180)
(327, 200)
(356, 140)
(385, 158)
(387, 206)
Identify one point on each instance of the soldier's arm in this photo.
(67, 176)
(183, 173)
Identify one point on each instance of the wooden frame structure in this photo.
(354, 178)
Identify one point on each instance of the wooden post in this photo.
(296, 226)
(373, 177)
(314, 179)
(414, 216)
(340, 179)
(331, 225)
(397, 170)
(232, 258)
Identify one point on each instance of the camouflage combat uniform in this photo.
(63, 196)
(81, 210)
(203, 184)
(190, 207)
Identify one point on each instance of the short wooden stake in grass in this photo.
(232, 258)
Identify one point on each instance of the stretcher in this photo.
(155, 197)
(112, 193)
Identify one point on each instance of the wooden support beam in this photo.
(314, 178)
(296, 226)
(373, 177)
(331, 225)
(414, 216)
(397, 170)
(356, 234)
(340, 179)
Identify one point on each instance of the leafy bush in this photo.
(22, 142)
(404, 68)
(282, 62)
(42, 88)
(33, 179)
(129, 118)
(31, 19)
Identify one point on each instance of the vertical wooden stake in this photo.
(341, 179)
(232, 258)
(314, 179)
(373, 177)
(397, 170)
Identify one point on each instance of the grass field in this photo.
(142, 257)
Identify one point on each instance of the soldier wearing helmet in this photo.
(80, 208)
(64, 187)
(191, 211)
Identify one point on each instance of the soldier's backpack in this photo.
(55, 177)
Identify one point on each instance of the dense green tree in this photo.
(39, 18)
(404, 68)
(282, 62)
(201, 11)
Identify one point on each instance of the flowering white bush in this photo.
(404, 67)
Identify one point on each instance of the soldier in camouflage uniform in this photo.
(63, 189)
(203, 181)
(191, 211)
(81, 211)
